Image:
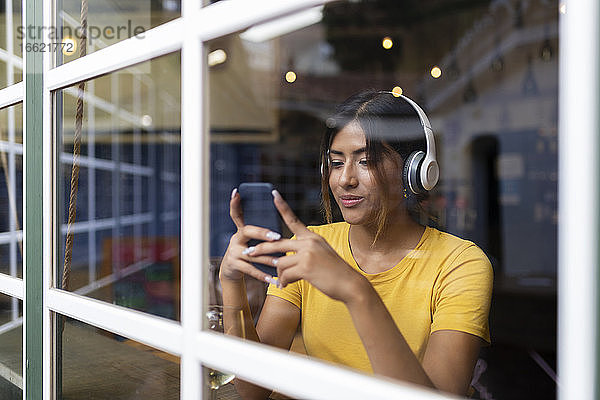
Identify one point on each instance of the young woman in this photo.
(378, 292)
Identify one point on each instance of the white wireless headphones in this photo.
(421, 170)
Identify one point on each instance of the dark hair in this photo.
(390, 124)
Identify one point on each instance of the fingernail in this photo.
(233, 192)
(275, 193)
(248, 250)
(271, 280)
(273, 235)
(275, 260)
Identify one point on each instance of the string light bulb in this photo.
(436, 72)
(290, 76)
(397, 91)
(146, 120)
(69, 46)
(387, 43)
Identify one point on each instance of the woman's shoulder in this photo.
(448, 239)
(455, 248)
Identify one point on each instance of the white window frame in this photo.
(578, 186)
(290, 374)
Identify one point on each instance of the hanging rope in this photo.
(76, 151)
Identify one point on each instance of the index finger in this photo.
(288, 216)
(235, 209)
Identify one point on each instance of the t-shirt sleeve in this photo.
(463, 294)
(290, 293)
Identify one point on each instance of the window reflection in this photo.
(11, 42)
(11, 191)
(11, 348)
(108, 22)
(486, 74)
(95, 364)
(119, 187)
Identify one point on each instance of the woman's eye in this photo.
(363, 163)
(335, 164)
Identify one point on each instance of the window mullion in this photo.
(33, 206)
(194, 215)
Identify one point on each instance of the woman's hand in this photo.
(313, 260)
(236, 262)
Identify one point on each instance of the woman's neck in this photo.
(400, 233)
(398, 239)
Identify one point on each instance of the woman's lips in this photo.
(350, 201)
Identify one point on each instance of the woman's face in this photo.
(353, 186)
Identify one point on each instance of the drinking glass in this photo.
(230, 321)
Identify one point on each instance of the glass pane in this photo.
(11, 190)
(108, 22)
(92, 363)
(487, 78)
(11, 42)
(123, 200)
(17, 38)
(11, 348)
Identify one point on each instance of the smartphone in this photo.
(259, 210)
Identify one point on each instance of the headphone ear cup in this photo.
(410, 173)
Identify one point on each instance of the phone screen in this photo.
(259, 210)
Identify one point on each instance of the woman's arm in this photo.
(450, 355)
(450, 359)
(277, 326)
(278, 320)
(234, 295)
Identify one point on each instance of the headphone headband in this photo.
(424, 122)
(421, 175)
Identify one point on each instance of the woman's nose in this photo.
(348, 177)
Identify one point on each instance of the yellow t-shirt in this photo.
(444, 283)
